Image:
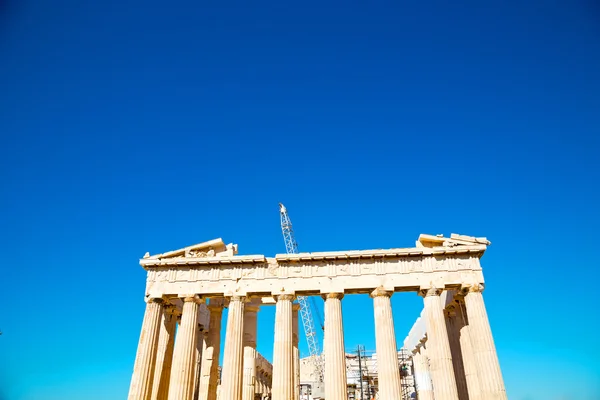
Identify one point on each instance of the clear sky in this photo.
(140, 126)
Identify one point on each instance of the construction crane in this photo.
(291, 247)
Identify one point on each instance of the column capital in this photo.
(236, 297)
(215, 304)
(332, 295)
(380, 291)
(193, 298)
(171, 309)
(251, 308)
(252, 305)
(427, 292)
(284, 296)
(471, 288)
(158, 300)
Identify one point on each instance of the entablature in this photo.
(357, 271)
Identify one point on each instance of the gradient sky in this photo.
(140, 126)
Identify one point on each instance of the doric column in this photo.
(466, 349)
(335, 355)
(385, 342)
(232, 373)
(143, 368)
(261, 384)
(421, 374)
(295, 341)
(200, 344)
(283, 360)
(249, 379)
(181, 386)
(258, 385)
(486, 359)
(164, 355)
(452, 329)
(438, 347)
(269, 386)
(210, 355)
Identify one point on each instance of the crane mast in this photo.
(291, 247)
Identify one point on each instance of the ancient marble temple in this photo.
(454, 356)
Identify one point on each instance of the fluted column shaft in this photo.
(200, 344)
(181, 386)
(263, 384)
(335, 355)
(258, 387)
(232, 373)
(250, 325)
(283, 360)
(164, 355)
(438, 347)
(143, 369)
(486, 359)
(468, 357)
(452, 329)
(210, 356)
(385, 342)
(295, 341)
(422, 377)
(270, 385)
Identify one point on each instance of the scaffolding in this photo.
(361, 369)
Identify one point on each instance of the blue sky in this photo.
(128, 127)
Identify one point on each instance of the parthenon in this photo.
(451, 344)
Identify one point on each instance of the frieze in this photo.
(397, 269)
(295, 270)
(172, 275)
(272, 270)
(226, 273)
(354, 268)
(304, 269)
(182, 274)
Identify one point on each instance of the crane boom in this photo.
(291, 247)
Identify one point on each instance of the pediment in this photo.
(454, 240)
(212, 248)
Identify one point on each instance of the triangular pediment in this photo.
(454, 240)
(212, 248)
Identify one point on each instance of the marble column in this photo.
(249, 343)
(258, 386)
(210, 356)
(438, 347)
(270, 386)
(333, 347)
(261, 384)
(467, 353)
(232, 373)
(143, 369)
(295, 341)
(181, 386)
(421, 374)
(283, 360)
(164, 355)
(200, 344)
(491, 383)
(385, 343)
(452, 329)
